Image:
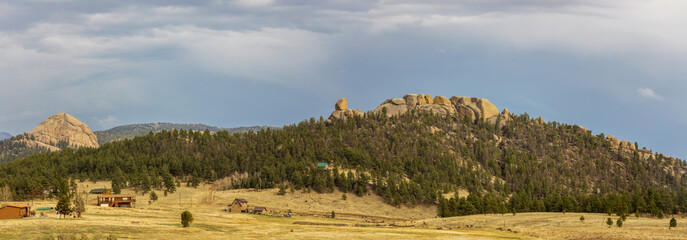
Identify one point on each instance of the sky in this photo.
(614, 67)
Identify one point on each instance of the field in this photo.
(356, 218)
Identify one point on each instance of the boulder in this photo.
(411, 100)
(428, 99)
(455, 100)
(465, 111)
(488, 109)
(438, 109)
(421, 99)
(475, 109)
(398, 101)
(465, 100)
(391, 109)
(341, 104)
(440, 100)
(65, 127)
(505, 115)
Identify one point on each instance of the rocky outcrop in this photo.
(64, 127)
(342, 112)
(472, 108)
(341, 104)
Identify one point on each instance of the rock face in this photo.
(472, 108)
(342, 112)
(341, 104)
(65, 127)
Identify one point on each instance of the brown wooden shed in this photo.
(260, 210)
(239, 205)
(15, 211)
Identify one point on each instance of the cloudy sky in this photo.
(616, 67)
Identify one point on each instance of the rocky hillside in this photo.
(57, 132)
(133, 130)
(64, 127)
(409, 151)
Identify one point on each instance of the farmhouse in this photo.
(239, 205)
(15, 211)
(101, 191)
(118, 200)
(260, 210)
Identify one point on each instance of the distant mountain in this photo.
(55, 133)
(133, 130)
(4, 135)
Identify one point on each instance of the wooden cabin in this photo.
(15, 211)
(239, 205)
(260, 210)
(117, 200)
(103, 191)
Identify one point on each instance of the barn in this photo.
(15, 211)
(239, 205)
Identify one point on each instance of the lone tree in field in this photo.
(153, 196)
(619, 223)
(79, 204)
(581, 218)
(64, 206)
(609, 222)
(673, 223)
(343, 197)
(186, 218)
(333, 214)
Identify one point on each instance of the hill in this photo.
(57, 132)
(4, 135)
(133, 130)
(408, 154)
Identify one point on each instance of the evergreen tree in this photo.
(64, 207)
(153, 196)
(619, 223)
(186, 219)
(673, 223)
(581, 218)
(609, 222)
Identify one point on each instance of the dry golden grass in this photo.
(357, 218)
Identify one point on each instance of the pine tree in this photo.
(609, 222)
(186, 219)
(673, 223)
(153, 196)
(63, 206)
(619, 223)
(581, 218)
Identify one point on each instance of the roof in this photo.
(259, 209)
(321, 164)
(116, 195)
(98, 191)
(43, 208)
(16, 206)
(241, 200)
